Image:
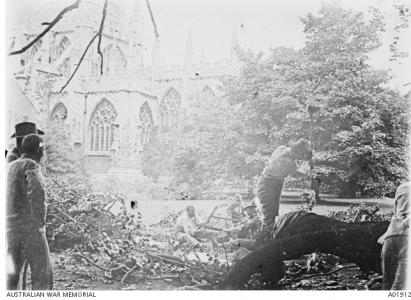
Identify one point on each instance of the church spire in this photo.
(189, 52)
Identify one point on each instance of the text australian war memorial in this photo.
(109, 117)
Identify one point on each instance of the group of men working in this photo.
(283, 163)
(245, 224)
(26, 211)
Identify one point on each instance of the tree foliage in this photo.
(356, 124)
(59, 158)
(359, 128)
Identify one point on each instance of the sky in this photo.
(259, 24)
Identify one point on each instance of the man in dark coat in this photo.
(26, 217)
(280, 165)
(22, 129)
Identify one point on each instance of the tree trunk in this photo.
(356, 242)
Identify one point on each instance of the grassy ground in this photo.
(152, 211)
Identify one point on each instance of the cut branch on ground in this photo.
(356, 242)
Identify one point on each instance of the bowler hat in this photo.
(25, 128)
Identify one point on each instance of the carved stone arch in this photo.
(102, 126)
(146, 124)
(62, 46)
(207, 92)
(169, 108)
(59, 113)
(65, 67)
(114, 59)
(34, 50)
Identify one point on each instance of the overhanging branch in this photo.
(79, 63)
(48, 28)
(99, 34)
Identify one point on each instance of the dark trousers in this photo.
(30, 247)
(269, 192)
(394, 263)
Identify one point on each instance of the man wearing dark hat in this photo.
(22, 129)
(244, 234)
(281, 164)
(26, 216)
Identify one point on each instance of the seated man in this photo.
(235, 209)
(188, 229)
(247, 231)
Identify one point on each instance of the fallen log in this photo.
(356, 242)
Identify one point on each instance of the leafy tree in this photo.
(195, 152)
(358, 129)
(326, 92)
(59, 150)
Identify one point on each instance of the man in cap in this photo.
(22, 129)
(26, 216)
(244, 235)
(281, 164)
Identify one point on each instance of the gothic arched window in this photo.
(207, 92)
(102, 126)
(59, 113)
(34, 51)
(114, 60)
(146, 123)
(169, 108)
(62, 47)
(65, 68)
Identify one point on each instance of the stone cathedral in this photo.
(110, 116)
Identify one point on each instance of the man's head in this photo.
(191, 211)
(238, 199)
(23, 129)
(251, 211)
(32, 145)
(301, 150)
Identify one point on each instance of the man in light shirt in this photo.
(188, 227)
(281, 164)
(395, 243)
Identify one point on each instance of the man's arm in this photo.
(36, 195)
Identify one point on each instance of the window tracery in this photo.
(114, 60)
(146, 124)
(102, 126)
(59, 113)
(169, 108)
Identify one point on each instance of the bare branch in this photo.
(100, 35)
(157, 35)
(329, 273)
(48, 28)
(129, 272)
(91, 262)
(79, 63)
